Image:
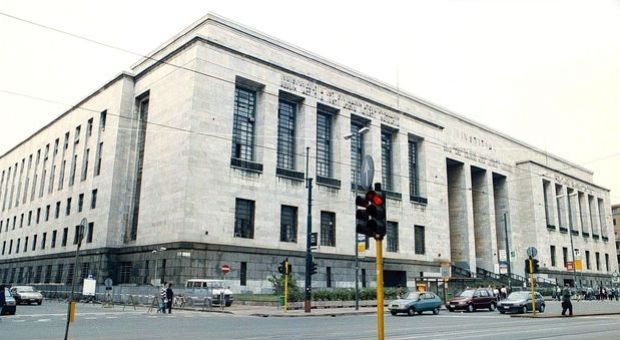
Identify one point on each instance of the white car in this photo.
(207, 288)
(26, 294)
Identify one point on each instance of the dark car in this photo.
(26, 294)
(416, 302)
(473, 299)
(521, 302)
(11, 306)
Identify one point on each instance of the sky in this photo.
(545, 72)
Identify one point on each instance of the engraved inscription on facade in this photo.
(338, 99)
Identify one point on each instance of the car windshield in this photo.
(518, 295)
(466, 293)
(412, 296)
(25, 289)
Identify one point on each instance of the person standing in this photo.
(566, 304)
(162, 298)
(169, 296)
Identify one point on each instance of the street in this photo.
(95, 322)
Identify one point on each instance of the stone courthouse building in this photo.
(199, 158)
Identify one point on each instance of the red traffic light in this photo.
(374, 197)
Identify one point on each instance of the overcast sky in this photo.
(544, 72)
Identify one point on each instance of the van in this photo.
(208, 288)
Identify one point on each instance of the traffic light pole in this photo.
(531, 272)
(308, 290)
(380, 312)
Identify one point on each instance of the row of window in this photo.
(30, 274)
(575, 211)
(16, 181)
(577, 256)
(7, 248)
(244, 227)
(243, 142)
(37, 214)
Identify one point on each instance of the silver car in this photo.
(26, 294)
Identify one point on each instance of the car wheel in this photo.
(492, 307)
(411, 311)
(393, 312)
(470, 308)
(436, 311)
(541, 308)
(451, 309)
(228, 303)
(39, 302)
(524, 309)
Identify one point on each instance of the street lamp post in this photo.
(359, 134)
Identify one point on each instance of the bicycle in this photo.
(180, 301)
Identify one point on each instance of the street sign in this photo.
(225, 269)
(314, 239)
(108, 282)
(367, 172)
(532, 252)
(569, 265)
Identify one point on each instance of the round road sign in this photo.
(225, 269)
(532, 252)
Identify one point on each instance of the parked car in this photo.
(10, 307)
(521, 302)
(416, 302)
(473, 299)
(200, 289)
(26, 294)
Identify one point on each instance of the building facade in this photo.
(201, 157)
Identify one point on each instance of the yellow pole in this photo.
(286, 286)
(531, 271)
(380, 327)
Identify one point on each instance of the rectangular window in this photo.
(288, 224)
(54, 233)
(243, 124)
(70, 273)
(29, 219)
(357, 151)
(324, 143)
(85, 164)
(89, 128)
(48, 274)
(34, 243)
(26, 244)
(65, 234)
(607, 262)
(243, 274)
(68, 208)
(93, 199)
(80, 202)
(38, 215)
(85, 271)
(328, 229)
(98, 162)
(89, 234)
(328, 277)
(47, 213)
(419, 238)
(597, 257)
(59, 270)
(287, 112)
(552, 251)
(414, 184)
(565, 256)
(57, 211)
(61, 176)
(76, 234)
(124, 272)
(72, 175)
(19, 240)
(392, 237)
(38, 273)
(102, 118)
(43, 240)
(244, 218)
(387, 146)
(76, 138)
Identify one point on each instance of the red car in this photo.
(473, 299)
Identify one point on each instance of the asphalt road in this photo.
(48, 321)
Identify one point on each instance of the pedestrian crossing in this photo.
(52, 317)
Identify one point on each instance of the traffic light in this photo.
(289, 268)
(535, 266)
(527, 266)
(371, 213)
(281, 267)
(314, 268)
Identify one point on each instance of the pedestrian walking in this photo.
(566, 303)
(169, 297)
(162, 298)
